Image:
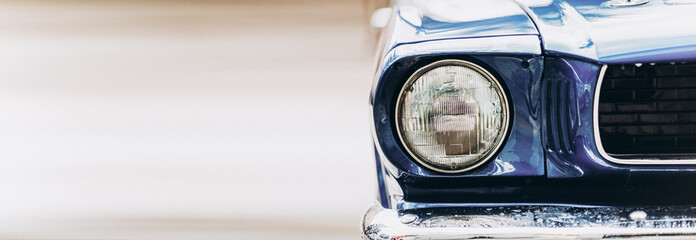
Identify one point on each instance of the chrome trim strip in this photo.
(627, 3)
(530, 222)
(598, 140)
(506, 111)
(511, 44)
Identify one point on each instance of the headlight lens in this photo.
(452, 115)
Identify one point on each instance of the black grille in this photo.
(649, 110)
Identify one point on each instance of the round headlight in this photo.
(452, 116)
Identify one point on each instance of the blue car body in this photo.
(549, 56)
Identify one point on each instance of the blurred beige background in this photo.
(184, 119)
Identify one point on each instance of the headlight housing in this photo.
(452, 115)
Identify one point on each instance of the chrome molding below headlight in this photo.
(530, 222)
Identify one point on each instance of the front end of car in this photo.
(535, 120)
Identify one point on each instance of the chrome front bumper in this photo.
(530, 222)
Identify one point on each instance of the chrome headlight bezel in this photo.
(505, 108)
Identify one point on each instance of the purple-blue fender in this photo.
(549, 155)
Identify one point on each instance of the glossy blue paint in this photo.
(382, 195)
(584, 161)
(576, 107)
(419, 21)
(522, 154)
(510, 33)
(593, 29)
(527, 45)
(550, 155)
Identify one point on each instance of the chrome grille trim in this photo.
(598, 140)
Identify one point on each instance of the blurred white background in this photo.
(184, 119)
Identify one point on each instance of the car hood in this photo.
(655, 31)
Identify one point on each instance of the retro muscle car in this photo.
(535, 119)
